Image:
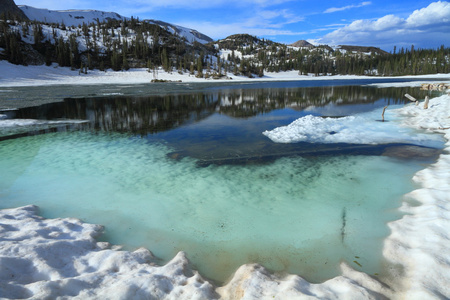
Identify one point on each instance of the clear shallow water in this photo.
(295, 215)
(134, 168)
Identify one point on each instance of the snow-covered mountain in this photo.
(78, 17)
(68, 17)
(190, 34)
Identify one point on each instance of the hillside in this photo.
(8, 10)
(68, 17)
(360, 49)
(78, 17)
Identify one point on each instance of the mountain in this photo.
(68, 17)
(236, 41)
(10, 10)
(302, 44)
(78, 17)
(191, 35)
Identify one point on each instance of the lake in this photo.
(174, 167)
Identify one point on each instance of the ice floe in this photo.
(15, 123)
(358, 129)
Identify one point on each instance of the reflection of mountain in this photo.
(251, 102)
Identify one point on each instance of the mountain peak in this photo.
(302, 44)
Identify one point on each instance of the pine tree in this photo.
(125, 65)
(199, 67)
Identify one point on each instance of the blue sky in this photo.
(381, 23)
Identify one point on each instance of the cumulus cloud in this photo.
(335, 9)
(425, 28)
(435, 13)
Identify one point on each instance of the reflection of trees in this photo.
(149, 114)
(139, 115)
(251, 102)
(143, 115)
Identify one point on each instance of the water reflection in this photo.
(151, 114)
(246, 103)
(224, 125)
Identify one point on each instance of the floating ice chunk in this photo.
(358, 129)
(11, 123)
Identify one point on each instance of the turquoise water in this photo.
(297, 215)
(189, 169)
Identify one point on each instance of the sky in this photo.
(379, 23)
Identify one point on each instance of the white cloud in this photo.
(425, 28)
(335, 9)
(435, 13)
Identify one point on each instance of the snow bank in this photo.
(60, 258)
(420, 241)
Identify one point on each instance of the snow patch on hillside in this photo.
(68, 17)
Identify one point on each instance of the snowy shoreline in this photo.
(18, 75)
(61, 258)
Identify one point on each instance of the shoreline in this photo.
(23, 76)
(419, 236)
